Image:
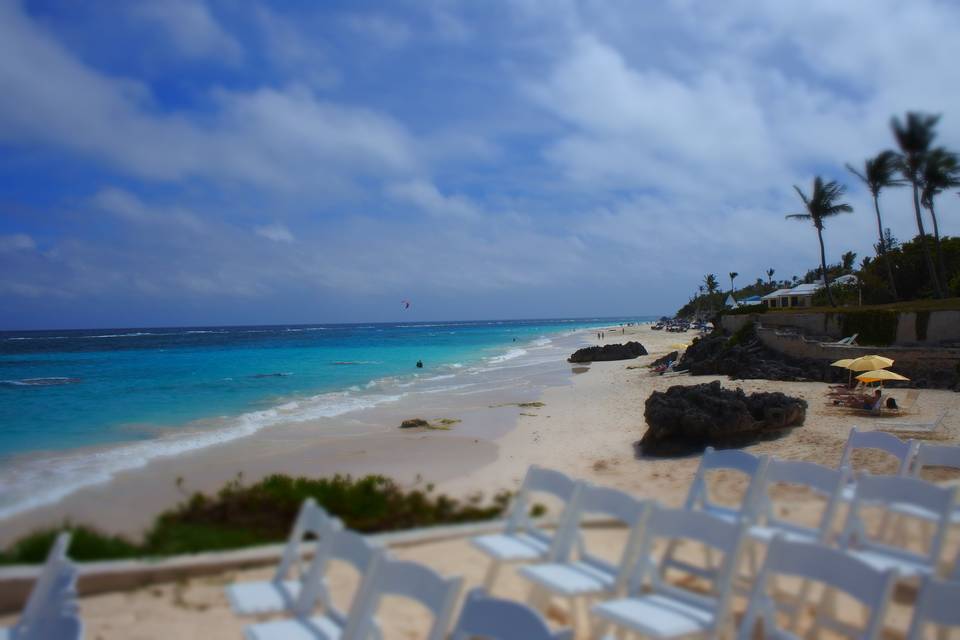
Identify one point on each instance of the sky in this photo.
(204, 162)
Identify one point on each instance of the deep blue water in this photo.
(61, 390)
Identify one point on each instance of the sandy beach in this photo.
(586, 427)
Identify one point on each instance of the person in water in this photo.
(419, 364)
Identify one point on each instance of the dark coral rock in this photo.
(627, 351)
(687, 419)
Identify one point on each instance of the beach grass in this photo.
(242, 515)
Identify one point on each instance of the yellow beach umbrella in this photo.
(870, 363)
(880, 375)
(843, 364)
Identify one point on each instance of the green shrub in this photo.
(241, 516)
(875, 328)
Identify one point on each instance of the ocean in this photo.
(78, 406)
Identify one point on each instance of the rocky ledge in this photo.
(687, 419)
(627, 351)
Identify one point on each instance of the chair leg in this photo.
(492, 569)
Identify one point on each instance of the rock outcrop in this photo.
(687, 419)
(627, 351)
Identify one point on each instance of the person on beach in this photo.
(419, 364)
(874, 403)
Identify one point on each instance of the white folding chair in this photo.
(51, 609)
(832, 568)
(934, 455)
(408, 580)
(496, 619)
(280, 593)
(698, 497)
(344, 546)
(588, 575)
(938, 603)
(522, 540)
(663, 610)
(902, 450)
(887, 493)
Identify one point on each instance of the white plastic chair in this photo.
(345, 546)
(835, 570)
(522, 540)
(698, 497)
(408, 580)
(938, 603)
(51, 609)
(819, 479)
(934, 455)
(496, 619)
(887, 493)
(668, 611)
(902, 450)
(588, 575)
(280, 593)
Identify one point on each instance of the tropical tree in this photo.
(847, 260)
(822, 204)
(770, 273)
(710, 281)
(914, 137)
(941, 171)
(879, 173)
(733, 275)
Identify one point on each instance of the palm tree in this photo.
(733, 275)
(847, 260)
(711, 283)
(770, 273)
(878, 173)
(821, 205)
(940, 172)
(914, 137)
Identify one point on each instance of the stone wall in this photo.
(942, 326)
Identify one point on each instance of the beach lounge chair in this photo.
(496, 619)
(522, 540)
(589, 575)
(832, 568)
(908, 403)
(849, 341)
(280, 593)
(51, 609)
(345, 546)
(654, 607)
(918, 428)
(936, 604)
(878, 548)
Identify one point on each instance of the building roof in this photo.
(750, 299)
(799, 290)
(779, 293)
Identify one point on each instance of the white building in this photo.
(802, 294)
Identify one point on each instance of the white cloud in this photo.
(381, 29)
(275, 232)
(425, 196)
(16, 242)
(191, 28)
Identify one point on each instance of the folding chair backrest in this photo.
(540, 480)
(936, 455)
(342, 545)
(496, 619)
(313, 520)
(902, 450)
(55, 586)
(409, 580)
(728, 459)
(683, 524)
(936, 603)
(822, 480)
(831, 567)
(616, 504)
(890, 491)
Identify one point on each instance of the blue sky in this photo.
(212, 162)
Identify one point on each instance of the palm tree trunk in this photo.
(823, 265)
(934, 281)
(883, 247)
(936, 245)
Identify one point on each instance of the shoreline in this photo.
(585, 427)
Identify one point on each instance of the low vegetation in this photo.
(246, 515)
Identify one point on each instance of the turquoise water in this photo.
(88, 391)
